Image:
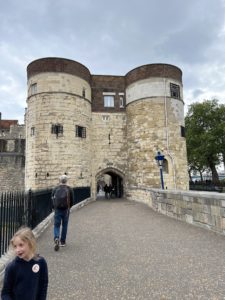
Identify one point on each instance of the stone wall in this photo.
(154, 122)
(154, 70)
(58, 100)
(102, 84)
(109, 147)
(12, 156)
(204, 209)
(59, 65)
(11, 172)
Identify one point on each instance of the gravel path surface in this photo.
(123, 250)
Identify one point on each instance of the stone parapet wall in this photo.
(203, 209)
(153, 70)
(11, 172)
(58, 65)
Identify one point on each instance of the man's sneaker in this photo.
(62, 244)
(56, 245)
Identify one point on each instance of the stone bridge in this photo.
(119, 249)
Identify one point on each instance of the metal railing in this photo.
(206, 187)
(21, 209)
(27, 209)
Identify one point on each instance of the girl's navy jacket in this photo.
(26, 280)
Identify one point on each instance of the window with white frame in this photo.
(33, 88)
(121, 95)
(108, 100)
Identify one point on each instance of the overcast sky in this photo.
(112, 38)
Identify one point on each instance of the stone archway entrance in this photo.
(110, 177)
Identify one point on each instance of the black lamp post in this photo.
(160, 158)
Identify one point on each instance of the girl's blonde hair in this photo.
(26, 235)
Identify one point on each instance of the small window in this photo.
(84, 92)
(165, 166)
(80, 131)
(182, 131)
(57, 129)
(32, 131)
(105, 118)
(109, 101)
(3, 145)
(33, 88)
(174, 91)
(121, 95)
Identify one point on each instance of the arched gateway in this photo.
(113, 177)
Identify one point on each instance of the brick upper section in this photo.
(153, 70)
(103, 83)
(53, 64)
(5, 124)
(106, 83)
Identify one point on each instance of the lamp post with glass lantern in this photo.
(160, 158)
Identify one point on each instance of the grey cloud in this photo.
(113, 37)
(196, 93)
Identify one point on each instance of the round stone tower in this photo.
(155, 122)
(58, 119)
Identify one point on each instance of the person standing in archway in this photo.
(106, 190)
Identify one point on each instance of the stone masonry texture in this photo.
(121, 140)
(12, 156)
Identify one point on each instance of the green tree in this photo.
(221, 132)
(205, 136)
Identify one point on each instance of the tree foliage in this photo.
(205, 136)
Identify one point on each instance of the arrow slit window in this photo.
(165, 166)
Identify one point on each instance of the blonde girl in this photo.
(26, 277)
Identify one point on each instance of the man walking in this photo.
(63, 199)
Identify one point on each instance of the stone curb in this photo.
(38, 230)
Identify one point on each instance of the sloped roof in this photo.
(5, 124)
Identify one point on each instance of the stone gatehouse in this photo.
(87, 126)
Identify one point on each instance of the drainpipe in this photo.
(167, 134)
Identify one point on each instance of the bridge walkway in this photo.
(118, 249)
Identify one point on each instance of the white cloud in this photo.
(113, 37)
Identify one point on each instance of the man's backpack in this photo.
(61, 197)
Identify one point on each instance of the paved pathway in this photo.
(123, 250)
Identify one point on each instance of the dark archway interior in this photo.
(117, 183)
